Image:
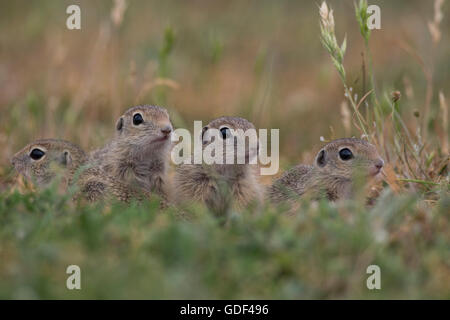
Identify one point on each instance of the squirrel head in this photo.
(238, 138)
(342, 157)
(145, 127)
(42, 160)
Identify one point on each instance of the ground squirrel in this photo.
(220, 186)
(332, 173)
(43, 160)
(134, 163)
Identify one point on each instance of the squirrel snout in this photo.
(377, 166)
(166, 129)
(379, 163)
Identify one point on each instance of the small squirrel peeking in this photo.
(135, 162)
(335, 168)
(41, 161)
(221, 186)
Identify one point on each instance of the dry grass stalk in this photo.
(434, 26)
(118, 11)
(444, 111)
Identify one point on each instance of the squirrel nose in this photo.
(379, 164)
(166, 130)
(13, 162)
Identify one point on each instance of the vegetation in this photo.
(259, 60)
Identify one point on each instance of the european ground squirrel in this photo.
(333, 171)
(220, 186)
(134, 163)
(43, 160)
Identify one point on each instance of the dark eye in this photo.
(345, 154)
(225, 132)
(37, 154)
(137, 119)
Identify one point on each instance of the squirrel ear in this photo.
(119, 124)
(320, 159)
(66, 158)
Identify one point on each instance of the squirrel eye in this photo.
(37, 154)
(345, 154)
(225, 132)
(137, 119)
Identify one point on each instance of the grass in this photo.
(202, 66)
(134, 251)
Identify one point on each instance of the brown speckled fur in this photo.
(219, 186)
(61, 157)
(133, 164)
(333, 179)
